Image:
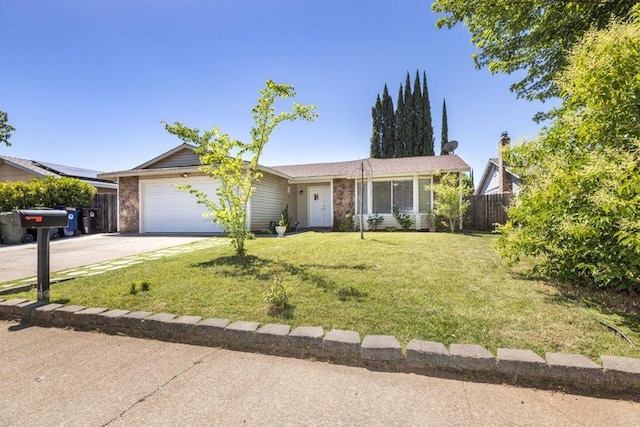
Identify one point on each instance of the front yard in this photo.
(433, 286)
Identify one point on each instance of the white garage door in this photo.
(166, 209)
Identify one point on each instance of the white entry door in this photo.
(319, 206)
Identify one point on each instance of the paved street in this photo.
(56, 377)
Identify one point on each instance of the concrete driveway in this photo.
(20, 261)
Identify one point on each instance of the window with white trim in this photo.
(362, 197)
(386, 193)
(424, 195)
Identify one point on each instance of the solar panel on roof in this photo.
(70, 170)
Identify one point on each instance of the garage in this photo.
(167, 209)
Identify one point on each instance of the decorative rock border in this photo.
(618, 377)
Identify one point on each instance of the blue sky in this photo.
(87, 82)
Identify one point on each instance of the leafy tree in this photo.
(5, 129)
(449, 198)
(222, 159)
(444, 136)
(579, 209)
(376, 137)
(532, 35)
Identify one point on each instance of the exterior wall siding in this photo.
(9, 173)
(269, 198)
(129, 205)
(184, 157)
(492, 184)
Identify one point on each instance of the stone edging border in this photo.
(618, 377)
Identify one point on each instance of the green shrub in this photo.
(374, 221)
(45, 192)
(405, 220)
(277, 294)
(448, 194)
(578, 214)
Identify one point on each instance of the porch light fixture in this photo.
(301, 192)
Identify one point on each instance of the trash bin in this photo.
(89, 223)
(54, 233)
(12, 235)
(72, 229)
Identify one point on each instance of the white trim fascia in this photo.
(331, 202)
(151, 172)
(274, 172)
(313, 180)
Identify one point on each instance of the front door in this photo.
(320, 206)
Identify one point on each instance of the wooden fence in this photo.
(107, 215)
(487, 210)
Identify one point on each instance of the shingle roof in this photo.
(44, 169)
(377, 167)
(28, 165)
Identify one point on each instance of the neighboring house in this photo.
(15, 169)
(321, 195)
(497, 177)
(490, 181)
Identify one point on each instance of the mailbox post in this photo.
(42, 220)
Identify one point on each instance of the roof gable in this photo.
(181, 156)
(493, 166)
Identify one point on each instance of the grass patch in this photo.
(433, 286)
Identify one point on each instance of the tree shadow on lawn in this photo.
(383, 242)
(609, 302)
(263, 269)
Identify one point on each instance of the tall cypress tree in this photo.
(401, 128)
(427, 123)
(388, 125)
(409, 120)
(444, 138)
(376, 133)
(408, 130)
(418, 113)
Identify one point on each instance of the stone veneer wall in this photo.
(129, 201)
(344, 192)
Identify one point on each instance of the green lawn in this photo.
(433, 286)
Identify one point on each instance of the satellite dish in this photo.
(450, 146)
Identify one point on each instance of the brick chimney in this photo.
(504, 179)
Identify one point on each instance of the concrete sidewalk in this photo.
(59, 377)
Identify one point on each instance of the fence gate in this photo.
(487, 210)
(107, 205)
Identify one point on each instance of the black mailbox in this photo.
(40, 218)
